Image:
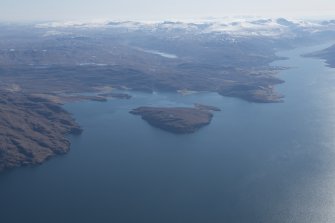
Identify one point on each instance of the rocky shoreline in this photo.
(179, 120)
(32, 130)
(327, 54)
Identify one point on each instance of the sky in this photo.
(46, 10)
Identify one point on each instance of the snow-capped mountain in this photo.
(245, 26)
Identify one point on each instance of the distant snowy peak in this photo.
(275, 27)
(72, 24)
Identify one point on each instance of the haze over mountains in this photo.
(239, 26)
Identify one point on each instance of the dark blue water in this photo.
(254, 163)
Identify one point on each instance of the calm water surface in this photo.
(254, 163)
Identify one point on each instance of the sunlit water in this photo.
(253, 163)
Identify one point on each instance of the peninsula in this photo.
(32, 129)
(327, 54)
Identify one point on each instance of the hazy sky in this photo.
(158, 9)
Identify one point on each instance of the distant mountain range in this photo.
(247, 26)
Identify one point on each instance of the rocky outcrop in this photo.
(32, 129)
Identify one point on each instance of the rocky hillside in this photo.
(32, 130)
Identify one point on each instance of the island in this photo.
(32, 129)
(179, 120)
